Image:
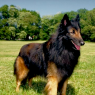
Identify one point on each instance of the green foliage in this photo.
(16, 20)
(21, 35)
(13, 12)
(43, 35)
(72, 14)
(4, 10)
(12, 31)
(5, 33)
(87, 22)
(20, 23)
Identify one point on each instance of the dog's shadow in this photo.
(70, 90)
(38, 86)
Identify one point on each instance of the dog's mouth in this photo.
(76, 46)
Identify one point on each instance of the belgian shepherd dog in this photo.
(55, 58)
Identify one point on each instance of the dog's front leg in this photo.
(51, 86)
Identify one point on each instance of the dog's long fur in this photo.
(54, 59)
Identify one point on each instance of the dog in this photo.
(55, 58)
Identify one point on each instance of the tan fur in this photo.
(51, 87)
(21, 72)
(77, 33)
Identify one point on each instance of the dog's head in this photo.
(71, 31)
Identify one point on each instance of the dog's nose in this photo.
(82, 43)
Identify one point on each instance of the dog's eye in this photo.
(73, 32)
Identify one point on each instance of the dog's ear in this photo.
(65, 21)
(77, 18)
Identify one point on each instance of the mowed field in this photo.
(82, 82)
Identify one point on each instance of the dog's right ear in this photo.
(65, 21)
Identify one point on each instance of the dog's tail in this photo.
(15, 67)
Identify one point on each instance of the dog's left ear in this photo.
(65, 21)
(77, 18)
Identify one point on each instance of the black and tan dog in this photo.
(56, 58)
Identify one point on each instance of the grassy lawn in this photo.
(82, 82)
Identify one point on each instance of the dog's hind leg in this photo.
(24, 81)
(64, 87)
(21, 72)
(30, 82)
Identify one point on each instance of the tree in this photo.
(4, 11)
(16, 23)
(83, 13)
(71, 14)
(29, 23)
(5, 33)
(21, 35)
(13, 11)
(13, 33)
(49, 26)
(91, 17)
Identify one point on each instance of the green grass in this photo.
(82, 82)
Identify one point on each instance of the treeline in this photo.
(22, 24)
(16, 23)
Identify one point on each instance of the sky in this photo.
(51, 7)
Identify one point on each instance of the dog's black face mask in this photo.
(72, 32)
